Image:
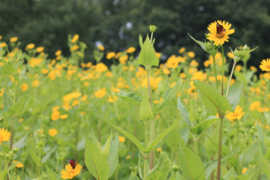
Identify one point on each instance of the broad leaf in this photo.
(131, 137)
(267, 117)
(147, 56)
(19, 106)
(234, 94)
(212, 99)
(95, 141)
(47, 156)
(130, 97)
(21, 143)
(113, 155)
(106, 150)
(183, 112)
(133, 177)
(95, 161)
(36, 159)
(202, 44)
(250, 153)
(8, 69)
(8, 102)
(51, 174)
(190, 164)
(199, 128)
(161, 170)
(146, 112)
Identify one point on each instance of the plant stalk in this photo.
(215, 71)
(219, 146)
(228, 87)
(152, 136)
(222, 80)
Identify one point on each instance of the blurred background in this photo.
(116, 24)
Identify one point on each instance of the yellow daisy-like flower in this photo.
(221, 37)
(4, 135)
(53, 132)
(265, 65)
(237, 114)
(70, 173)
(18, 164)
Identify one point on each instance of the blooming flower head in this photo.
(30, 46)
(237, 114)
(219, 32)
(18, 164)
(53, 132)
(131, 50)
(24, 87)
(110, 55)
(4, 135)
(75, 38)
(70, 173)
(253, 106)
(121, 139)
(100, 47)
(40, 49)
(265, 65)
(100, 93)
(13, 39)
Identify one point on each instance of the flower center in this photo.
(220, 35)
(268, 66)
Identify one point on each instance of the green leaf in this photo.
(8, 102)
(106, 150)
(161, 170)
(18, 178)
(190, 164)
(51, 174)
(19, 106)
(202, 44)
(130, 97)
(250, 153)
(183, 112)
(21, 143)
(47, 156)
(133, 177)
(113, 155)
(234, 94)
(267, 117)
(36, 159)
(265, 166)
(8, 69)
(169, 95)
(212, 99)
(147, 56)
(153, 144)
(95, 161)
(199, 128)
(95, 141)
(141, 165)
(242, 53)
(146, 112)
(131, 137)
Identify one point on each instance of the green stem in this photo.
(228, 87)
(244, 151)
(145, 167)
(215, 71)
(222, 70)
(152, 136)
(219, 146)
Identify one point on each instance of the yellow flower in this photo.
(172, 62)
(131, 50)
(55, 115)
(100, 47)
(237, 114)
(100, 93)
(123, 59)
(44, 71)
(110, 55)
(24, 87)
(4, 135)
(191, 54)
(159, 149)
(112, 99)
(21, 120)
(18, 164)
(13, 39)
(166, 71)
(253, 106)
(100, 67)
(221, 37)
(58, 53)
(35, 83)
(0, 37)
(158, 55)
(252, 68)
(265, 65)
(3, 45)
(70, 173)
(74, 48)
(121, 139)
(230, 55)
(64, 116)
(75, 38)
(30, 46)
(244, 170)
(40, 49)
(128, 157)
(194, 63)
(238, 68)
(182, 50)
(53, 132)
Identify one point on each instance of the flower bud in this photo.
(175, 168)
(2, 154)
(15, 150)
(2, 119)
(152, 28)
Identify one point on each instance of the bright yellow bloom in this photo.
(131, 50)
(35, 83)
(100, 47)
(230, 55)
(166, 71)
(182, 50)
(252, 68)
(24, 87)
(44, 71)
(64, 116)
(191, 54)
(121, 139)
(4, 135)
(100, 67)
(18, 164)
(55, 115)
(238, 68)
(172, 62)
(123, 59)
(159, 149)
(40, 49)
(74, 48)
(219, 38)
(265, 65)
(100, 93)
(194, 63)
(0, 37)
(3, 45)
(112, 99)
(253, 106)
(30, 46)
(128, 157)
(244, 170)
(13, 39)
(75, 38)
(237, 114)
(158, 55)
(53, 132)
(58, 53)
(110, 55)
(70, 173)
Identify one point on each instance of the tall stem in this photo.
(145, 158)
(215, 71)
(222, 70)
(152, 136)
(219, 147)
(234, 63)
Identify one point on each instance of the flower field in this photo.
(63, 118)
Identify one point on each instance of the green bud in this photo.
(175, 168)
(10, 154)
(7, 156)
(2, 154)
(15, 150)
(242, 54)
(2, 119)
(152, 28)
(199, 110)
(40, 145)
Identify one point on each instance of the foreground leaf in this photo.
(183, 112)
(130, 97)
(47, 156)
(199, 128)
(19, 106)
(234, 94)
(113, 155)
(146, 112)
(51, 174)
